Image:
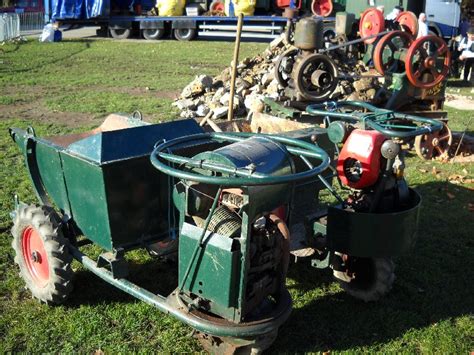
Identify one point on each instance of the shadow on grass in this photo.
(434, 283)
(14, 49)
(459, 84)
(156, 276)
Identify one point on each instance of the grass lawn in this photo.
(72, 85)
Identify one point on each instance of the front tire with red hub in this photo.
(42, 254)
(367, 279)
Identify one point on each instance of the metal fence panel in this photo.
(31, 21)
(9, 26)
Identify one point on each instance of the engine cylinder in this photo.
(309, 34)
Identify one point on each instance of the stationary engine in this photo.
(241, 223)
(372, 165)
(307, 75)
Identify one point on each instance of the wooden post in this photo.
(230, 114)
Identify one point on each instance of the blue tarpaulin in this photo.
(79, 9)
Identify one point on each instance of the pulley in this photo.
(371, 23)
(426, 60)
(315, 77)
(388, 51)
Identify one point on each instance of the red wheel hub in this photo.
(429, 62)
(35, 257)
(322, 7)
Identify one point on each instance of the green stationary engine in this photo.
(246, 255)
(233, 242)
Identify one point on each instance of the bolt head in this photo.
(35, 256)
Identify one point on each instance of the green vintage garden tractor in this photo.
(232, 206)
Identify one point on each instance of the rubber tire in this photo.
(187, 36)
(121, 34)
(153, 34)
(46, 222)
(381, 283)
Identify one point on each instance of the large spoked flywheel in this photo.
(315, 77)
(427, 62)
(284, 66)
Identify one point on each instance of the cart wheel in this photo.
(120, 33)
(184, 34)
(367, 279)
(42, 254)
(153, 34)
(434, 145)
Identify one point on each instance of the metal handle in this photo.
(244, 177)
(378, 119)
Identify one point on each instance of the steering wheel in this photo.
(387, 122)
(161, 157)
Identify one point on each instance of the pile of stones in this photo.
(208, 96)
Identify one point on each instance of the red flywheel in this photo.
(427, 62)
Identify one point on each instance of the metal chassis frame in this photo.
(173, 306)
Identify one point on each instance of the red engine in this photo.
(358, 165)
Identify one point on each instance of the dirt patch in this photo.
(460, 102)
(35, 111)
(161, 94)
(33, 108)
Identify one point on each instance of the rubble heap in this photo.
(255, 79)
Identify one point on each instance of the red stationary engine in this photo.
(359, 165)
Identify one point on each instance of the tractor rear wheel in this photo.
(42, 254)
(367, 279)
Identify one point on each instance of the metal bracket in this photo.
(281, 110)
(152, 25)
(116, 262)
(120, 25)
